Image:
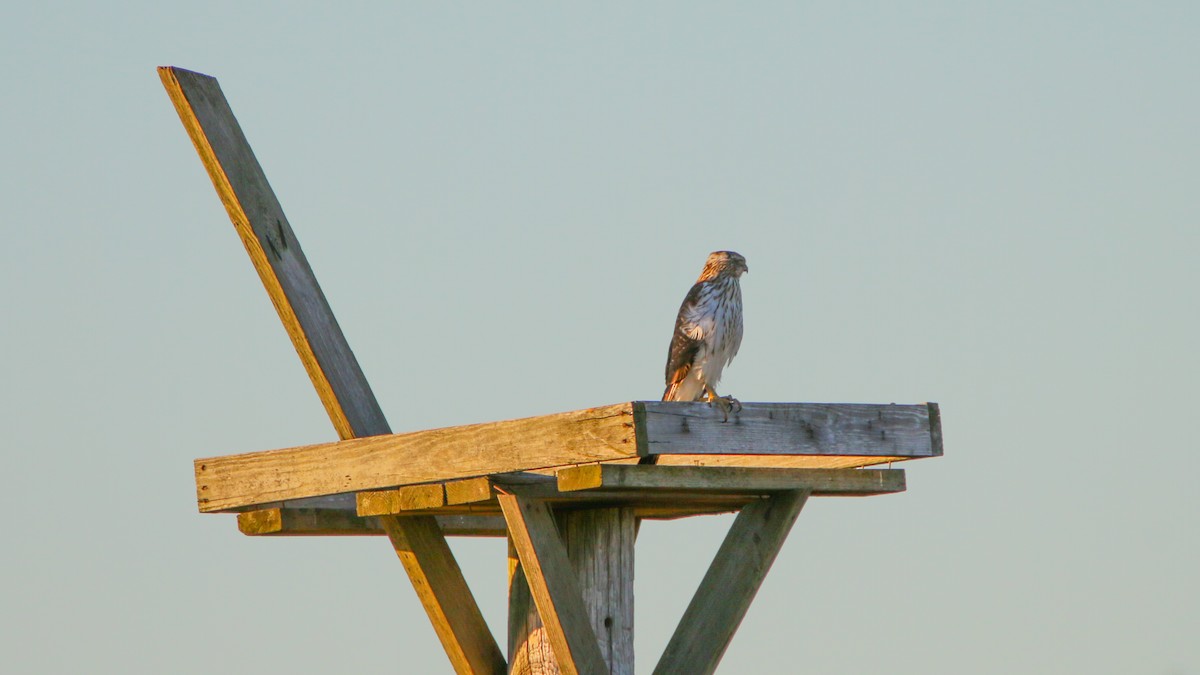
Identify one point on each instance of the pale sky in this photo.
(989, 205)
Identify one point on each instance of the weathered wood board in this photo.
(793, 429)
(284, 522)
(275, 252)
(727, 480)
(596, 434)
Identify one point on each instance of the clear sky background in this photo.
(989, 205)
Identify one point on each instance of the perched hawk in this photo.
(708, 333)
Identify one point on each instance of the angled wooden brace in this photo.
(729, 586)
(259, 220)
(553, 585)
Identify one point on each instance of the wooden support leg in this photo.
(732, 580)
(599, 568)
(448, 601)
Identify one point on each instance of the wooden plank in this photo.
(285, 522)
(275, 252)
(407, 498)
(469, 490)
(481, 525)
(553, 585)
(791, 429)
(668, 505)
(224, 483)
(729, 480)
(323, 349)
(729, 586)
(777, 461)
(479, 489)
(651, 502)
(439, 582)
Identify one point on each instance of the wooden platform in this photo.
(421, 468)
(582, 459)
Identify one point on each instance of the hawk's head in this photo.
(723, 263)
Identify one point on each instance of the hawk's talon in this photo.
(726, 404)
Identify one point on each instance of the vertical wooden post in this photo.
(600, 547)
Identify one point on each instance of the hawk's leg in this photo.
(726, 404)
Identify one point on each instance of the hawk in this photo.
(708, 332)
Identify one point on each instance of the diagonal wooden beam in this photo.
(275, 252)
(439, 582)
(553, 584)
(732, 580)
(289, 280)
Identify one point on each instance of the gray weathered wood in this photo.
(600, 545)
(791, 428)
(553, 585)
(732, 580)
(335, 373)
(285, 522)
(651, 479)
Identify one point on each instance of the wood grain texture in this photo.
(790, 429)
(777, 461)
(407, 498)
(600, 546)
(305, 522)
(275, 252)
(468, 490)
(448, 601)
(729, 586)
(231, 482)
(553, 585)
(729, 480)
(529, 650)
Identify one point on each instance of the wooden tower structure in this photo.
(567, 490)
